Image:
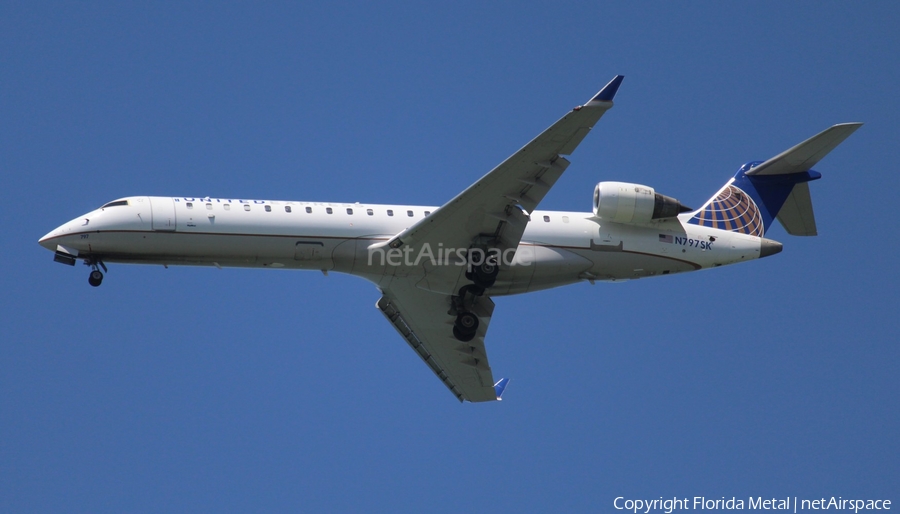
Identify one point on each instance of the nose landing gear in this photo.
(96, 276)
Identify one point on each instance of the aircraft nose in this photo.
(56, 236)
(47, 240)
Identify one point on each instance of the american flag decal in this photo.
(663, 238)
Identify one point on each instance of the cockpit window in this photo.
(117, 203)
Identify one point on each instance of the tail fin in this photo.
(762, 191)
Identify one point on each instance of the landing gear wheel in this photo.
(462, 337)
(471, 288)
(467, 322)
(485, 274)
(466, 326)
(95, 278)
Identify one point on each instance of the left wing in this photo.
(423, 319)
(488, 207)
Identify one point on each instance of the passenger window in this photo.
(427, 213)
(268, 208)
(246, 206)
(209, 206)
(190, 205)
(309, 209)
(409, 213)
(390, 212)
(565, 219)
(328, 210)
(547, 219)
(287, 208)
(227, 206)
(369, 212)
(350, 212)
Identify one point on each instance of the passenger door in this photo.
(163, 213)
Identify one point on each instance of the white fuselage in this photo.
(557, 248)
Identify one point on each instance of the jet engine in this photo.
(622, 202)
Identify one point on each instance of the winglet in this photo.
(609, 91)
(500, 386)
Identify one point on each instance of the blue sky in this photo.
(188, 389)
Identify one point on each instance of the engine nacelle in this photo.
(622, 202)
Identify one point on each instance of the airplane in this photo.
(438, 267)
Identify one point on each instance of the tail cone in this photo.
(768, 247)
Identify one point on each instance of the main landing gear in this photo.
(96, 276)
(466, 325)
(485, 274)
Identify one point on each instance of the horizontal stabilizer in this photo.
(796, 215)
(762, 192)
(805, 155)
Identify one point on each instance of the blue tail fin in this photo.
(750, 203)
(754, 198)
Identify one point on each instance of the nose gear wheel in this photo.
(96, 276)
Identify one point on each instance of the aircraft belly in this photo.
(226, 250)
(539, 267)
(626, 265)
(622, 252)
